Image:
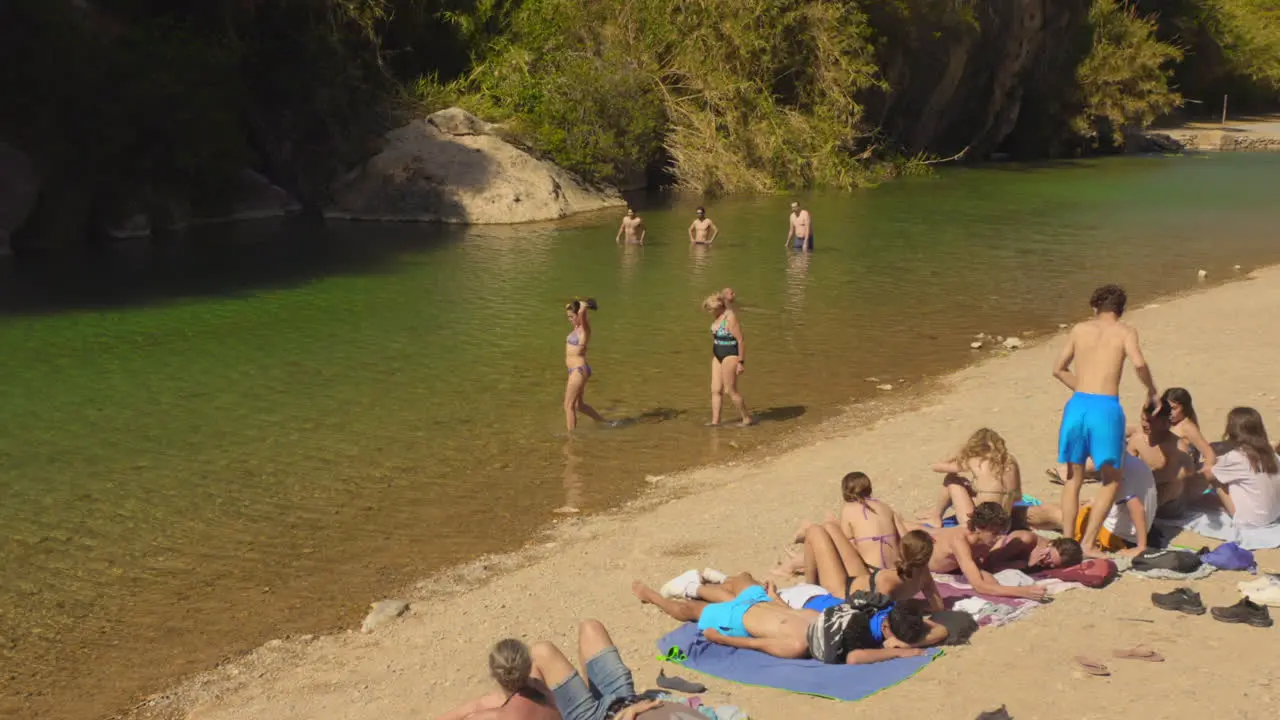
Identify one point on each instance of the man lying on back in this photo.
(868, 629)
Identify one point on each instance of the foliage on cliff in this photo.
(720, 95)
(738, 94)
(1124, 81)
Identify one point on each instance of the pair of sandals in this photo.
(1097, 669)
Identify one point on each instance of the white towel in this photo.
(1217, 524)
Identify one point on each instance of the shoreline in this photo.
(252, 683)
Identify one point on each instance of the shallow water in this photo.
(257, 432)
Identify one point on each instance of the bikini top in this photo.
(720, 334)
(572, 339)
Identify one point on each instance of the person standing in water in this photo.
(702, 231)
(632, 227)
(575, 361)
(800, 228)
(1093, 426)
(728, 358)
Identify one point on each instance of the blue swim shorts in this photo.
(822, 602)
(1092, 427)
(726, 617)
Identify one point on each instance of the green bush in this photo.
(1124, 81)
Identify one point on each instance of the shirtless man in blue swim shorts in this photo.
(873, 631)
(1093, 425)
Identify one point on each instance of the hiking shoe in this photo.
(1245, 611)
(1183, 600)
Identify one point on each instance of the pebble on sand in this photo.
(1012, 343)
(383, 612)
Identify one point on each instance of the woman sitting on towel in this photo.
(1187, 427)
(982, 471)
(522, 695)
(832, 562)
(1246, 476)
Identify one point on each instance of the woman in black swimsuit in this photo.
(728, 359)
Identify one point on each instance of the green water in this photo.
(261, 430)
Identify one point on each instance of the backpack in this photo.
(1229, 556)
(1178, 561)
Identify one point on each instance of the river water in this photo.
(260, 430)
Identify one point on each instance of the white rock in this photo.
(886, 386)
(1236, 268)
(384, 611)
(976, 345)
(1202, 274)
(450, 168)
(1062, 326)
(1012, 343)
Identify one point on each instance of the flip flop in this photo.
(1056, 479)
(1096, 669)
(1139, 653)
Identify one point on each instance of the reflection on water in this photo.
(257, 433)
(572, 479)
(797, 277)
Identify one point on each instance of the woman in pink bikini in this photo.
(869, 523)
(575, 361)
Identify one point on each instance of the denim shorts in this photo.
(610, 680)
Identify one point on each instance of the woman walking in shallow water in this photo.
(728, 358)
(575, 361)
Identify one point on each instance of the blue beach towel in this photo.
(686, 646)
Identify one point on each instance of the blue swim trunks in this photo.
(1092, 427)
(822, 602)
(727, 616)
(800, 243)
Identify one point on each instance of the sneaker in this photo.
(1182, 600)
(684, 585)
(1244, 611)
(713, 576)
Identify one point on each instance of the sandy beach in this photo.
(1219, 343)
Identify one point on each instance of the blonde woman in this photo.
(728, 358)
(982, 471)
(522, 694)
(575, 361)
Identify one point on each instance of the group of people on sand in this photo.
(869, 593)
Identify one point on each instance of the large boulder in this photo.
(19, 188)
(450, 167)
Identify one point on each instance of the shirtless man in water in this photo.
(1155, 444)
(800, 229)
(633, 228)
(1093, 426)
(702, 231)
(758, 619)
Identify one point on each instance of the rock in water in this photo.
(976, 345)
(1202, 274)
(450, 167)
(383, 612)
(886, 386)
(1012, 343)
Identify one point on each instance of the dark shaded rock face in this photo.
(998, 79)
(19, 188)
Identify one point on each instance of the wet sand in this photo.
(1220, 344)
